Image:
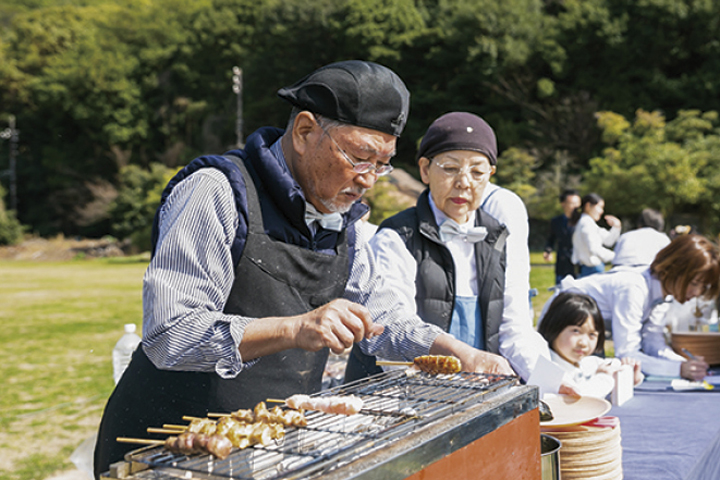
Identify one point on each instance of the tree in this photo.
(670, 166)
(132, 212)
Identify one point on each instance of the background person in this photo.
(257, 269)
(447, 257)
(561, 232)
(637, 248)
(590, 241)
(633, 302)
(575, 332)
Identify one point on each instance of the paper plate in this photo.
(569, 410)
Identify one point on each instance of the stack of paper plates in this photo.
(591, 447)
(590, 453)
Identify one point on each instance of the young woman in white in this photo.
(590, 241)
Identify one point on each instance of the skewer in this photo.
(169, 431)
(432, 364)
(175, 427)
(274, 400)
(394, 363)
(190, 419)
(140, 441)
(218, 415)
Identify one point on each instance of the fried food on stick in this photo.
(432, 364)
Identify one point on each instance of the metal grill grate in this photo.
(395, 404)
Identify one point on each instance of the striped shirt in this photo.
(188, 281)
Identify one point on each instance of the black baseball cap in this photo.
(360, 93)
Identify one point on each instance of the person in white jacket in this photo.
(590, 241)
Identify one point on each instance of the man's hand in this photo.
(547, 256)
(472, 359)
(336, 325)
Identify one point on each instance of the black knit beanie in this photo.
(459, 131)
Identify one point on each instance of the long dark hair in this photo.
(592, 199)
(567, 309)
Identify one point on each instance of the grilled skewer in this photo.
(337, 404)
(287, 418)
(188, 443)
(432, 364)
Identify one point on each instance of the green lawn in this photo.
(542, 277)
(60, 322)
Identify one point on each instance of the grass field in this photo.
(60, 321)
(542, 277)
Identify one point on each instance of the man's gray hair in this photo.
(651, 218)
(327, 123)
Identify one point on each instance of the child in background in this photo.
(574, 330)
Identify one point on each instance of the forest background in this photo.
(111, 97)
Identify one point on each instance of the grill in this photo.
(397, 407)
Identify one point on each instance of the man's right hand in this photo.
(547, 256)
(336, 325)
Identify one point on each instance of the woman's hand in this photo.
(694, 369)
(613, 221)
(472, 359)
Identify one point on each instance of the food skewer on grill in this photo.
(432, 364)
(188, 443)
(287, 418)
(336, 404)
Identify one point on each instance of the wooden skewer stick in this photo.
(218, 415)
(393, 363)
(190, 419)
(175, 427)
(170, 431)
(140, 441)
(274, 400)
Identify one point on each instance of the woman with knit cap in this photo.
(448, 257)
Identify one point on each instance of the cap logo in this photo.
(399, 121)
(469, 129)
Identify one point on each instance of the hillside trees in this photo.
(99, 87)
(671, 166)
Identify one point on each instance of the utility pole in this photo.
(13, 135)
(237, 88)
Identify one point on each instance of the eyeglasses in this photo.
(454, 170)
(361, 167)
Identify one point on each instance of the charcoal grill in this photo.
(407, 423)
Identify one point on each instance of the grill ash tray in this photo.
(395, 404)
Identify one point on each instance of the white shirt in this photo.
(585, 377)
(639, 247)
(590, 240)
(519, 342)
(633, 306)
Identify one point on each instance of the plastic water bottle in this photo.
(123, 351)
